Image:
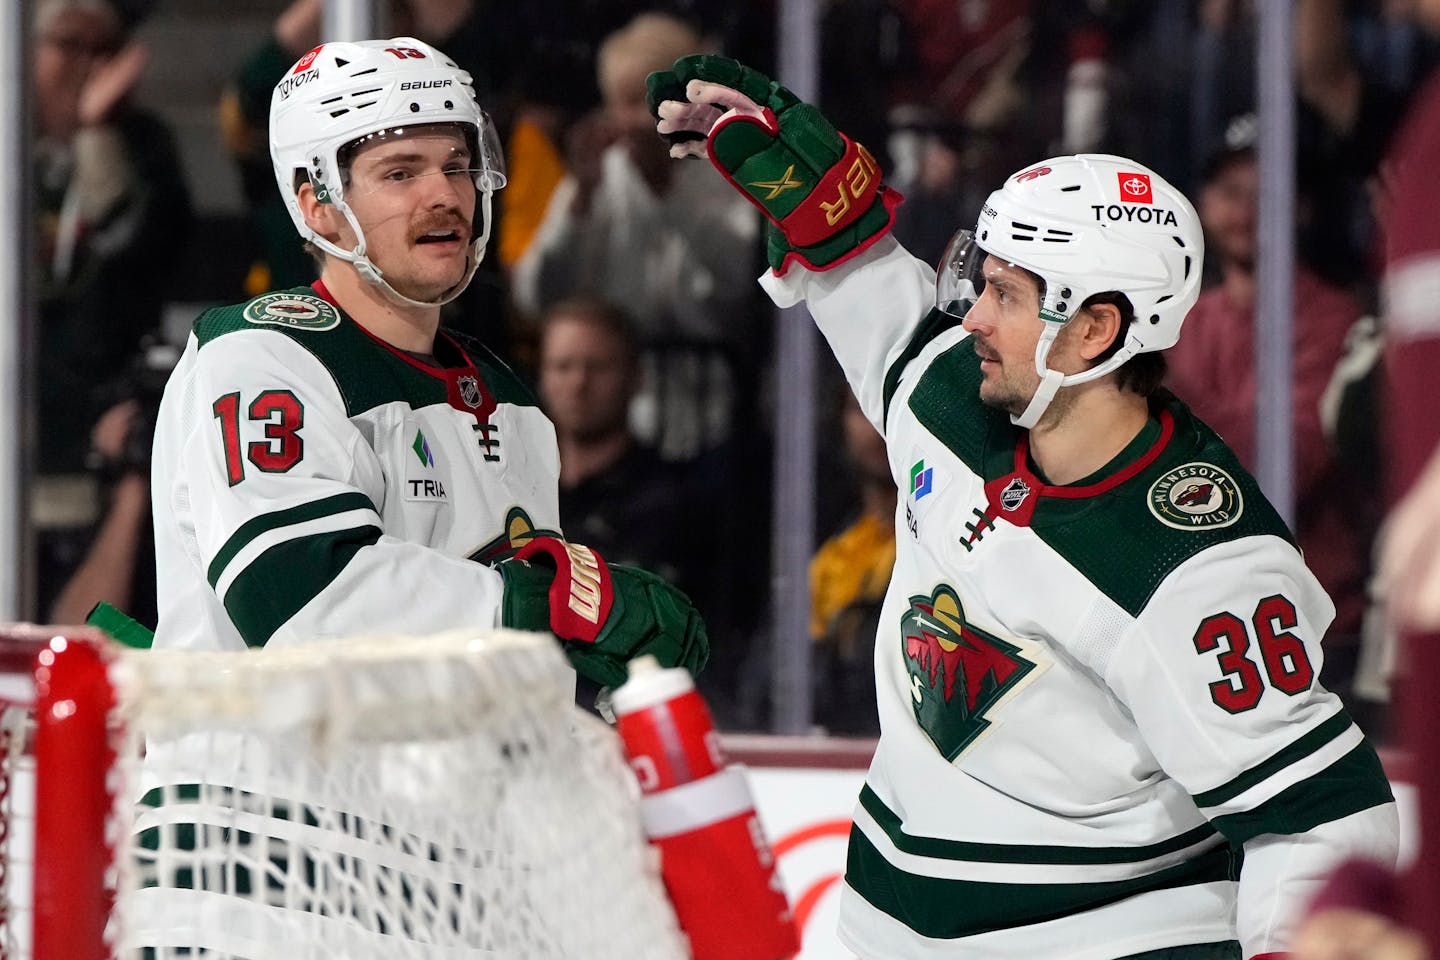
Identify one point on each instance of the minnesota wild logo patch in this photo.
(297, 311)
(519, 530)
(958, 673)
(1196, 496)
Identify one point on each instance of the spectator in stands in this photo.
(118, 566)
(1345, 115)
(978, 91)
(561, 40)
(109, 567)
(1366, 912)
(111, 207)
(673, 246)
(616, 493)
(940, 192)
(1212, 369)
(848, 578)
(1349, 112)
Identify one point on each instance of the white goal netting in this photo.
(403, 797)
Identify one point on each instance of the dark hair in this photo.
(1142, 373)
(597, 312)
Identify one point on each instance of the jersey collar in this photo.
(465, 389)
(1016, 494)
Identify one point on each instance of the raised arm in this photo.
(827, 208)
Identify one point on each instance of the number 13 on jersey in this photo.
(282, 414)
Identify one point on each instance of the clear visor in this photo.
(960, 279)
(400, 158)
(492, 156)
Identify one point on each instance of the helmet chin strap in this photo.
(370, 273)
(1052, 380)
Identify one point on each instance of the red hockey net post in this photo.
(382, 798)
(59, 680)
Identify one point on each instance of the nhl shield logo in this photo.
(1014, 494)
(1197, 496)
(469, 391)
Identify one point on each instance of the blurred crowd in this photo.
(621, 285)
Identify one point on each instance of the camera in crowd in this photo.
(143, 383)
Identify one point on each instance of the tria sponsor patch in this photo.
(421, 446)
(425, 489)
(1196, 496)
(297, 311)
(922, 480)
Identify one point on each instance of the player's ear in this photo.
(323, 218)
(1101, 327)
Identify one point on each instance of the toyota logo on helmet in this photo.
(1135, 187)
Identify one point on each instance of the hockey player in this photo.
(1102, 735)
(328, 462)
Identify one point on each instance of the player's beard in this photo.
(1014, 401)
(997, 389)
(1004, 396)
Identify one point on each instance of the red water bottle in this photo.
(715, 861)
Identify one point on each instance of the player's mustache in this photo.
(443, 220)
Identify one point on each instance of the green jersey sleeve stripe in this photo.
(1296, 751)
(935, 323)
(949, 909)
(1020, 852)
(254, 527)
(284, 578)
(1351, 784)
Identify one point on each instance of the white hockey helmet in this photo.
(1085, 224)
(339, 93)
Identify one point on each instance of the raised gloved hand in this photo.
(604, 614)
(820, 190)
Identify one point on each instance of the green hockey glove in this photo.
(820, 190)
(605, 615)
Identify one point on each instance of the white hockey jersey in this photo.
(1091, 697)
(311, 481)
